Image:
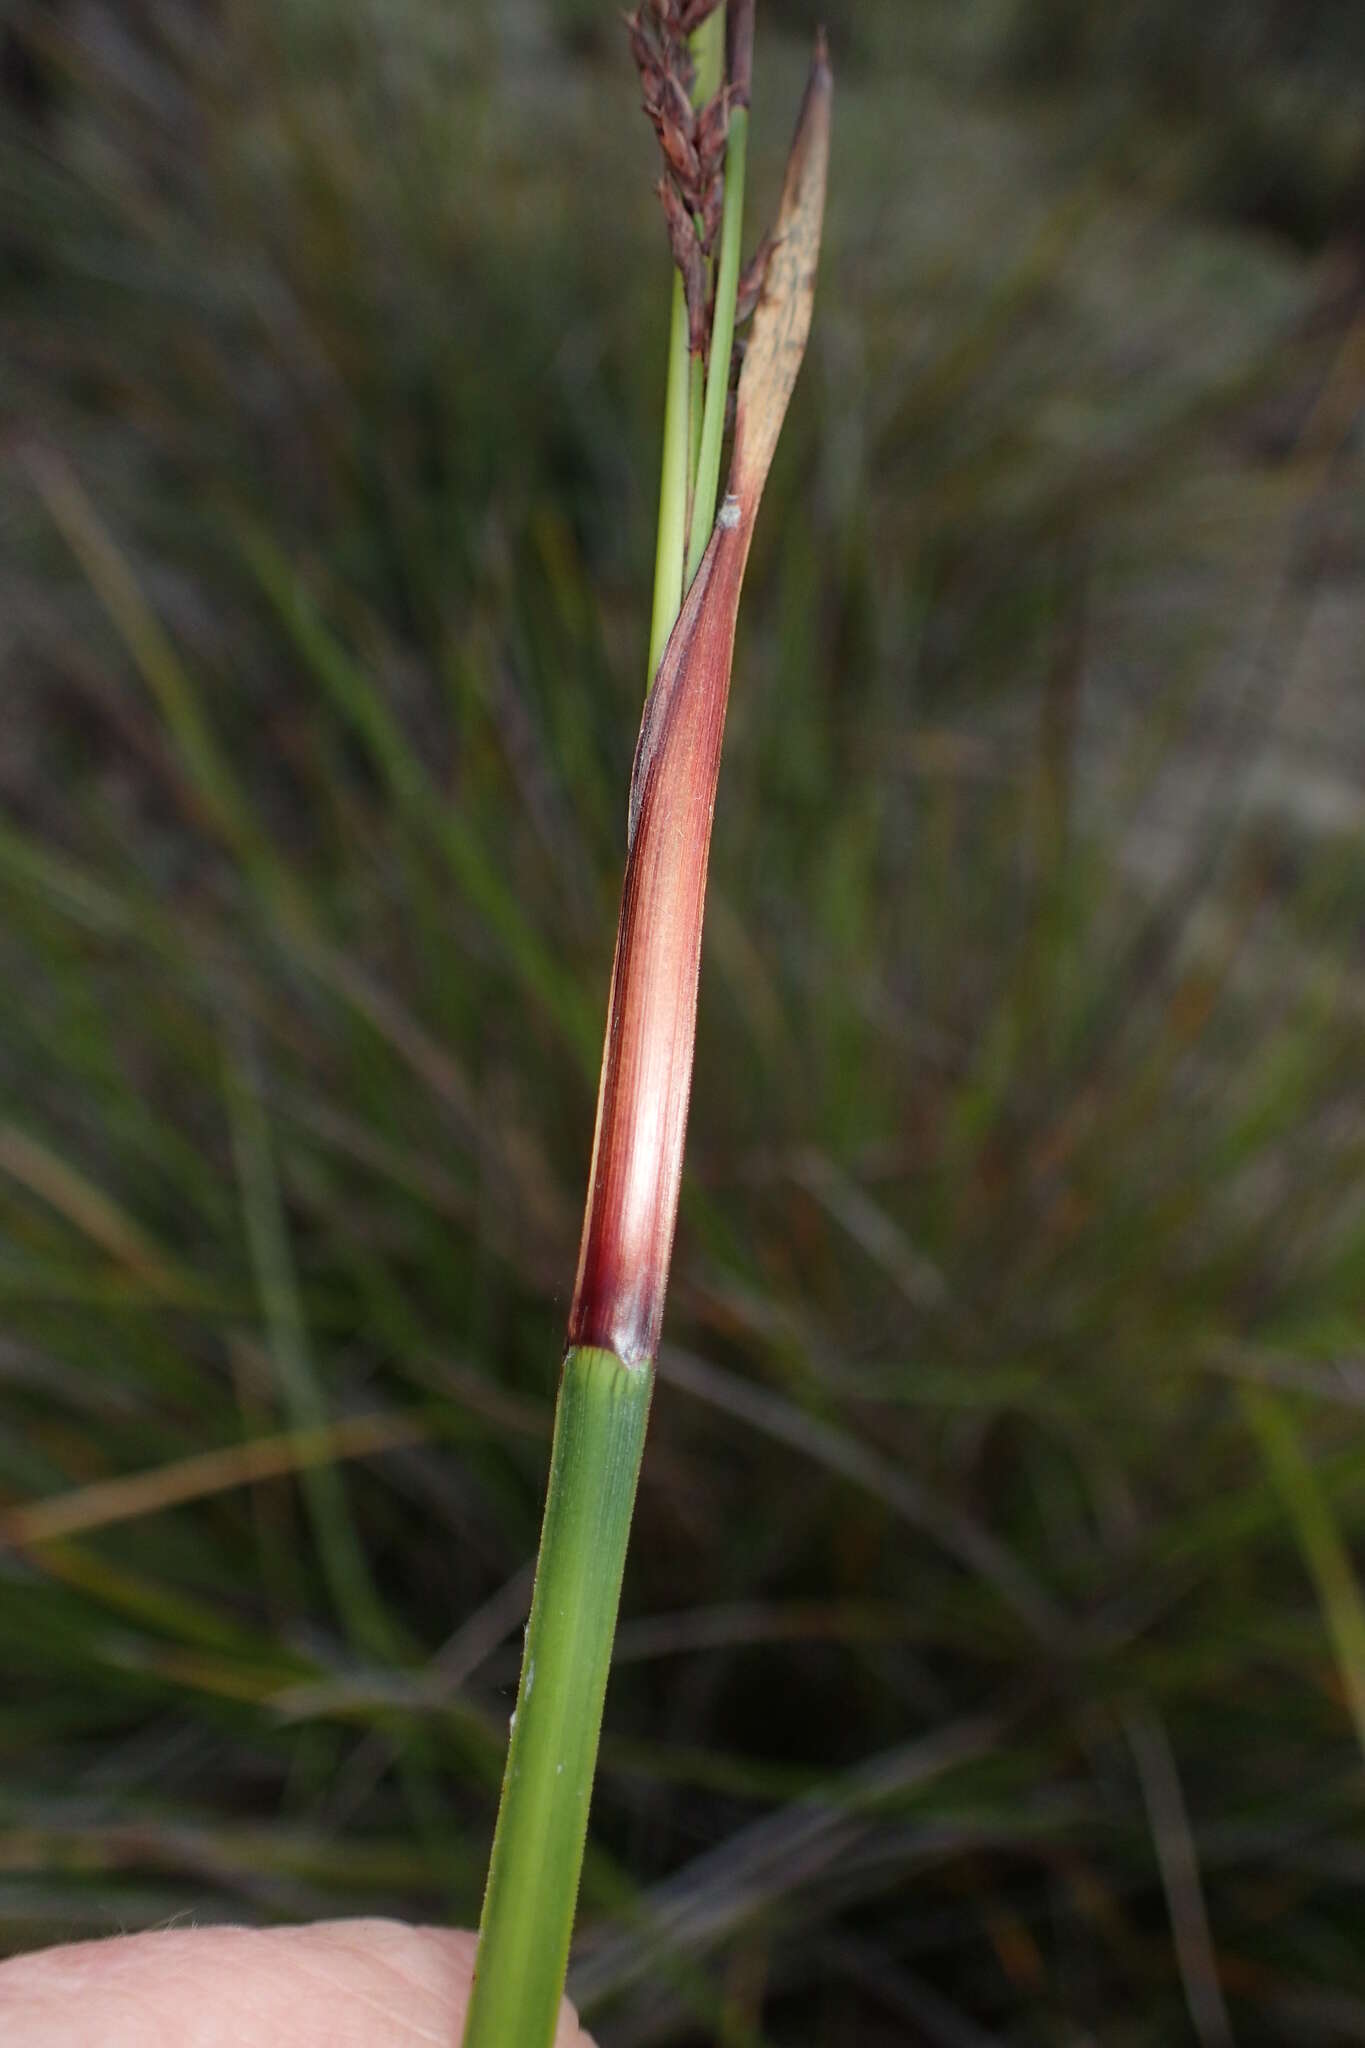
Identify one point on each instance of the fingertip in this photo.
(336, 1984)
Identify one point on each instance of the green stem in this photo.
(1320, 1539)
(708, 55)
(696, 399)
(722, 343)
(528, 1909)
(673, 487)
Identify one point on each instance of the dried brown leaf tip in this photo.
(781, 322)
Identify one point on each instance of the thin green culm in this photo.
(543, 1819)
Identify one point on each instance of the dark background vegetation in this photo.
(992, 1665)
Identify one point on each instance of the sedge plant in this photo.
(699, 107)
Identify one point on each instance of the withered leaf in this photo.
(781, 323)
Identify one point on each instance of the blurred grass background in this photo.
(992, 1665)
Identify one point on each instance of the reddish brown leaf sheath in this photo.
(651, 1017)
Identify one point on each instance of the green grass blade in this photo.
(354, 695)
(1319, 1538)
(342, 1559)
(147, 642)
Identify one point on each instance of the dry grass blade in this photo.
(138, 1494)
(87, 1208)
(869, 1226)
(433, 1688)
(1179, 1861)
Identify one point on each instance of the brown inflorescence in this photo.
(691, 141)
